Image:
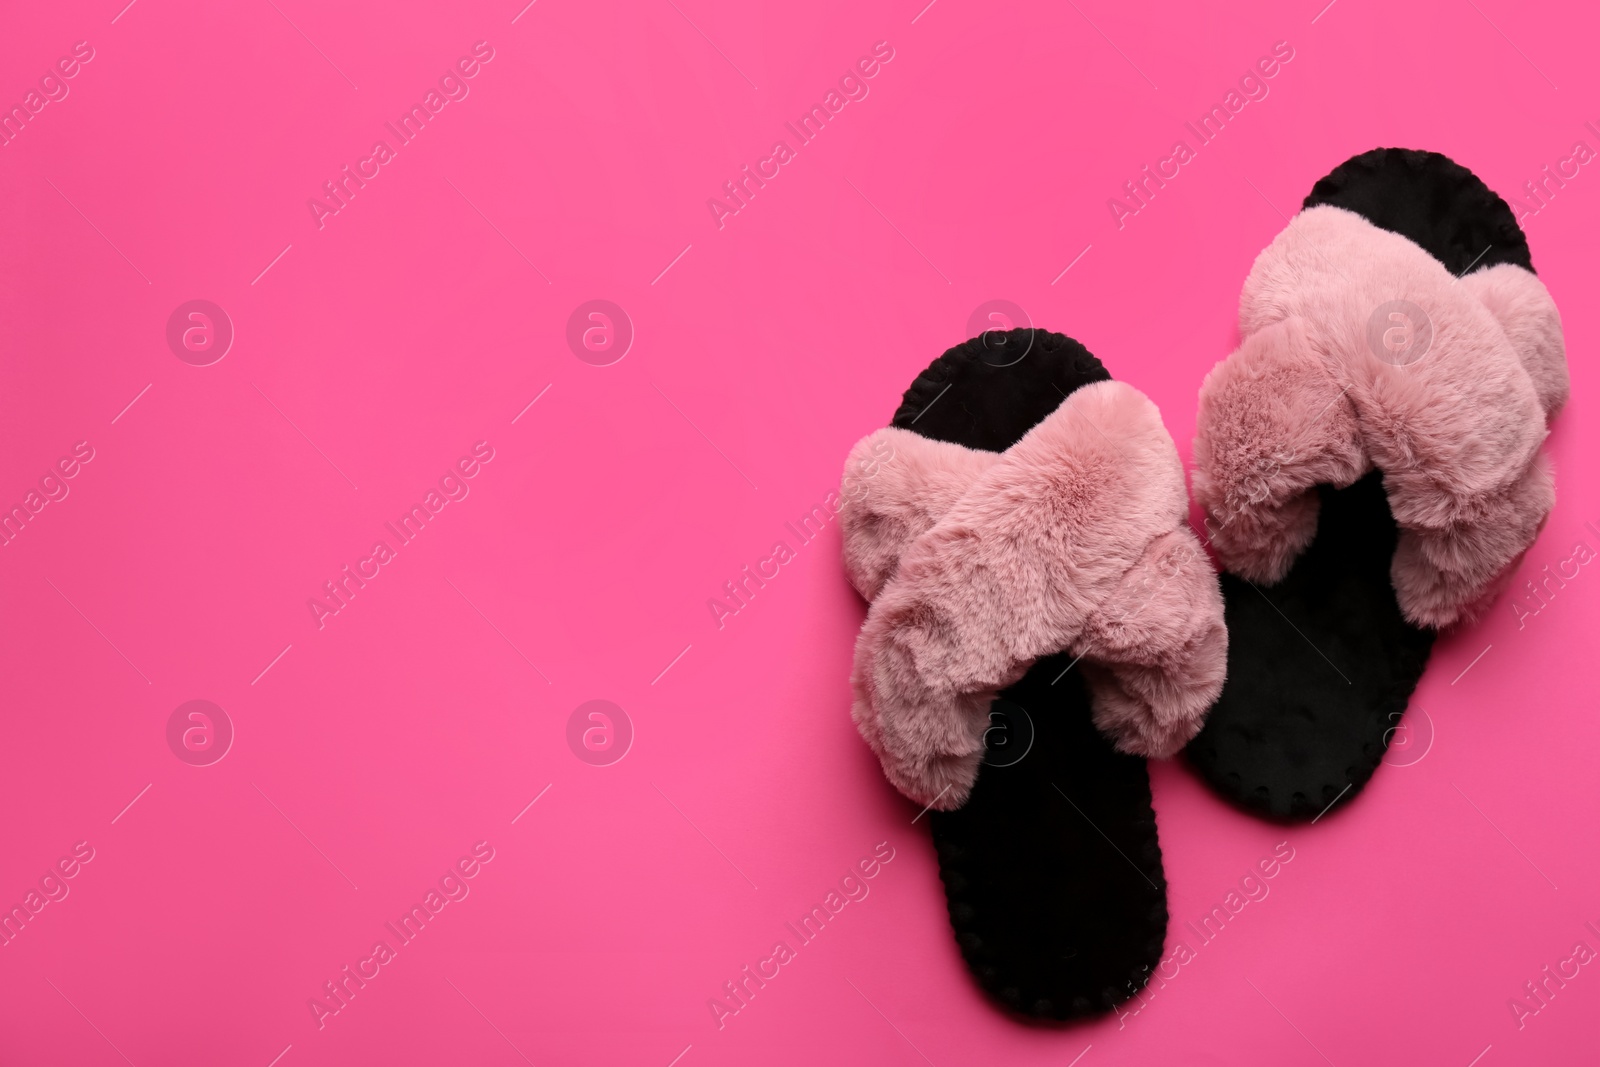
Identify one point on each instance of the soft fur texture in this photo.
(1456, 433)
(1075, 538)
(907, 495)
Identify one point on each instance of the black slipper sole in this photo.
(1322, 665)
(1052, 869)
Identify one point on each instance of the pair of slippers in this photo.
(1043, 619)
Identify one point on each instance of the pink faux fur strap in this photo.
(1360, 350)
(1076, 539)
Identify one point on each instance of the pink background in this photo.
(419, 720)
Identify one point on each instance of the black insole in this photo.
(1052, 868)
(1322, 665)
(1434, 201)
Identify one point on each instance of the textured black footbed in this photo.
(1322, 665)
(1052, 869)
(1432, 200)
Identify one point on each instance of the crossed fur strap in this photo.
(1360, 350)
(978, 563)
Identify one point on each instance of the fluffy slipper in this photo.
(1369, 466)
(1020, 517)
